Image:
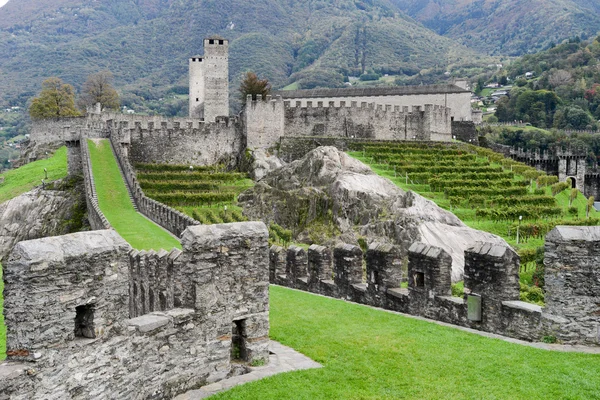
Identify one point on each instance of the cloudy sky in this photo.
(3, 2)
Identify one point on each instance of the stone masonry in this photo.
(88, 318)
(491, 302)
(572, 261)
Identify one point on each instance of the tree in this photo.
(57, 99)
(98, 88)
(254, 86)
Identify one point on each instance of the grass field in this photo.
(113, 198)
(371, 354)
(23, 179)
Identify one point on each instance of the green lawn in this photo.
(372, 354)
(141, 233)
(23, 179)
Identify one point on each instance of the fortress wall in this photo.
(172, 220)
(95, 214)
(572, 260)
(372, 121)
(263, 122)
(459, 103)
(63, 129)
(491, 302)
(179, 141)
(70, 334)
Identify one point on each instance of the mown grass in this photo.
(371, 354)
(113, 199)
(23, 179)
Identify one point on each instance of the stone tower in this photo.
(209, 81)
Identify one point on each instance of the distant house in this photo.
(529, 74)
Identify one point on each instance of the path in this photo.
(282, 359)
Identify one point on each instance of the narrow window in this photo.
(84, 321)
(238, 341)
(419, 278)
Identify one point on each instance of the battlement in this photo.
(216, 41)
(105, 304)
(491, 296)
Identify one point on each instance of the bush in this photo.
(573, 211)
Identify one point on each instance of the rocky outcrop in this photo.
(263, 163)
(40, 213)
(329, 187)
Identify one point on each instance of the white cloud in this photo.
(3, 2)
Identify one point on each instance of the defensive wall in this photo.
(268, 120)
(172, 220)
(87, 317)
(491, 302)
(448, 96)
(95, 215)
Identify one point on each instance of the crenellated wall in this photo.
(491, 301)
(95, 215)
(172, 220)
(178, 140)
(87, 317)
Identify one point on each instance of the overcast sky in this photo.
(3, 2)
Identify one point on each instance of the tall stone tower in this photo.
(209, 81)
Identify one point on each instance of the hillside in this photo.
(146, 44)
(512, 27)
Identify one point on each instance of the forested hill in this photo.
(508, 27)
(146, 43)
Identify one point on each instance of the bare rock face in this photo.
(263, 163)
(329, 186)
(36, 214)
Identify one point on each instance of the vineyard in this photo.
(487, 192)
(206, 193)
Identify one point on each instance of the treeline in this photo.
(564, 91)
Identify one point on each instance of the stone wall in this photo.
(572, 260)
(372, 121)
(263, 122)
(465, 131)
(456, 99)
(95, 215)
(73, 323)
(491, 301)
(178, 140)
(63, 129)
(172, 220)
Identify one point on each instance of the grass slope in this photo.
(371, 354)
(17, 182)
(141, 233)
(25, 178)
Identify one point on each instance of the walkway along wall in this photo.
(172, 220)
(95, 215)
(82, 323)
(491, 302)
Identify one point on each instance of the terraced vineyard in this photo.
(486, 191)
(205, 193)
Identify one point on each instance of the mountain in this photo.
(507, 27)
(146, 43)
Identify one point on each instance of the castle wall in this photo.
(172, 220)
(572, 260)
(368, 121)
(491, 302)
(263, 122)
(64, 129)
(95, 215)
(70, 334)
(178, 140)
(459, 103)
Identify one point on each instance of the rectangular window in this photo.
(84, 321)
